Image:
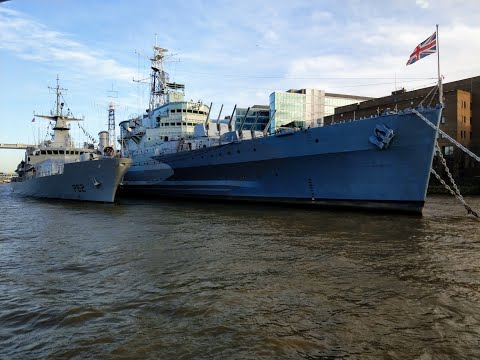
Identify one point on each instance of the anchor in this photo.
(382, 136)
(95, 182)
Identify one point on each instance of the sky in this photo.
(225, 52)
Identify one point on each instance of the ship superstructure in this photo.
(168, 118)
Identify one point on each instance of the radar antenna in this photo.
(160, 86)
(158, 77)
(58, 105)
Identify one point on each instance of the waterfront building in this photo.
(460, 119)
(306, 107)
(256, 119)
(5, 178)
(294, 108)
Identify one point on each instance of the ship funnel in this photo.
(103, 139)
(124, 129)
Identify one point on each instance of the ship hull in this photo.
(334, 165)
(96, 180)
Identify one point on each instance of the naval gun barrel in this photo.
(243, 122)
(207, 120)
(231, 118)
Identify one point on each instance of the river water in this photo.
(143, 279)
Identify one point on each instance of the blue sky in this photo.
(226, 52)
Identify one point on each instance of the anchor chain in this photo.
(446, 136)
(455, 191)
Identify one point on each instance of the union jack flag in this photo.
(425, 48)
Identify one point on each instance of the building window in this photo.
(448, 150)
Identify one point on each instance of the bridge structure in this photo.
(15, 146)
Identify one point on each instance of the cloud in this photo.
(424, 4)
(375, 61)
(270, 36)
(31, 40)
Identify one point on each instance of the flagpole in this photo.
(440, 85)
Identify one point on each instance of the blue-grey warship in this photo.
(382, 162)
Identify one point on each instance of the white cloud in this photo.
(375, 61)
(424, 4)
(270, 36)
(31, 40)
(322, 16)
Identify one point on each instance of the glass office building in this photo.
(293, 108)
(256, 119)
(287, 109)
(333, 101)
(305, 107)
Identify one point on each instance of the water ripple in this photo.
(143, 279)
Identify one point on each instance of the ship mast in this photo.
(111, 120)
(61, 137)
(440, 85)
(158, 77)
(58, 92)
(111, 125)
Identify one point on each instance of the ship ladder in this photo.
(455, 191)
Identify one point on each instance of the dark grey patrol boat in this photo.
(57, 169)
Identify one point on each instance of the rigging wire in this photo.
(302, 77)
(233, 86)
